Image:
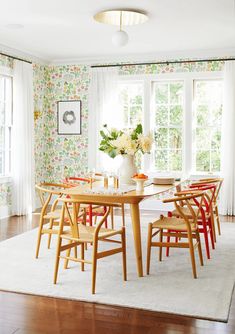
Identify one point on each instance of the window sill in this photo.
(5, 179)
(203, 175)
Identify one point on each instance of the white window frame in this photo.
(188, 79)
(7, 72)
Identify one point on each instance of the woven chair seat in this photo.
(52, 214)
(171, 223)
(187, 213)
(86, 233)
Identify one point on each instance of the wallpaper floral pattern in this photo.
(61, 155)
(57, 156)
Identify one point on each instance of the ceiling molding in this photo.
(21, 54)
(159, 56)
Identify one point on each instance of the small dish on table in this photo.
(140, 179)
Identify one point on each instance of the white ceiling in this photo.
(62, 31)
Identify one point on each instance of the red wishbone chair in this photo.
(218, 182)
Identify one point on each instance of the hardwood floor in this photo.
(25, 314)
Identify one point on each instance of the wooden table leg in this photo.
(135, 218)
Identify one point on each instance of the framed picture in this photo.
(69, 117)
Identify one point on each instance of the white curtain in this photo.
(227, 200)
(103, 109)
(23, 198)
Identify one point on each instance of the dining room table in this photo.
(125, 194)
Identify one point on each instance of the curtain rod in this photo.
(13, 57)
(165, 62)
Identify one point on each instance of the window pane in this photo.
(203, 138)
(175, 138)
(168, 127)
(135, 115)
(207, 125)
(176, 115)
(161, 136)
(131, 104)
(176, 93)
(161, 160)
(203, 161)
(175, 160)
(203, 116)
(161, 95)
(216, 139)
(215, 157)
(161, 115)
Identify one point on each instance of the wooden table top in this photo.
(83, 192)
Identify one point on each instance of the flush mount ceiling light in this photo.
(121, 17)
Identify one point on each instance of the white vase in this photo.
(127, 169)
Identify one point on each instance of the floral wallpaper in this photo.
(57, 156)
(6, 61)
(172, 68)
(61, 155)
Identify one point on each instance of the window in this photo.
(207, 125)
(168, 125)
(183, 111)
(131, 103)
(5, 124)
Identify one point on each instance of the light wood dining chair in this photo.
(96, 210)
(179, 228)
(80, 235)
(205, 218)
(49, 194)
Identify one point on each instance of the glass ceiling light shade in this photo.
(121, 17)
(120, 38)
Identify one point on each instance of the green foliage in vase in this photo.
(126, 141)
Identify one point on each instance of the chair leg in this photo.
(192, 255)
(112, 217)
(68, 252)
(49, 236)
(150, 226)
(199, 247)
(213, 224)
(106, 220)
(168, 239)
(204, 230)
(82, 256)
(211, 233)
(90, 214)
(160, 248)
(57, 259)
(217, 219)
(123, 215)
(39, 236)
(94, 265)
(123, 236)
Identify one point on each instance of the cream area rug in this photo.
(169, 287)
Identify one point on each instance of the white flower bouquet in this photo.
(127, 141)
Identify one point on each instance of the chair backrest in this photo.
(71, 217)
(210, 193)
(46, 191)
(197, 197)
(217, 181)
(73, 181)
